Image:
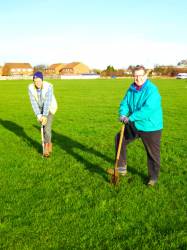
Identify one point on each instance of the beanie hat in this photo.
(38, 74)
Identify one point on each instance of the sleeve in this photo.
(34, 104)
(124, 107)
(151, 104)
(48, 100)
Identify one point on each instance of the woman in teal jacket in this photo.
(141, 111)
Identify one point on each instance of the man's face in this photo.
(140, 77)
(38, 83)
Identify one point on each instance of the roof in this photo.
(18, 65)
(53, 66)
(71, 65)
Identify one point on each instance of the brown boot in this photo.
(46, 150)
(50, 147)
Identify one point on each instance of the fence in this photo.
(22, 77)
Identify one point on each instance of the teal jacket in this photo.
(143, 107)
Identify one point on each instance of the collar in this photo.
(138, 88)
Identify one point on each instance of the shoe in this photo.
(121, 170)
(50, 147)
(46, 150)
(151, 183)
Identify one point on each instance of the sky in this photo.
(97, 33)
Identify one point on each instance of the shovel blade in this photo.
(114, 175)
(115, 179)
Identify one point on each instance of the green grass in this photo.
(66, 201)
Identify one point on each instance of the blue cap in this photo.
(38, 74)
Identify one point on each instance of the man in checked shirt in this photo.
(44, 106)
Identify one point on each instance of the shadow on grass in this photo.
(134, 171)
(69, 145)
(19, 131)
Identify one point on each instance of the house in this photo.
(182, 68)
(74, 68)
(10, 69)
(54, 69)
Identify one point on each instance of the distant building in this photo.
(1, 70)
(54, 69)
(182, 66)
(13, 69)
(74, 68)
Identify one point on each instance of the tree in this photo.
(96, 71)
(40, 67)
(182, 62)
(110, 68)
(168, 70)
(109, 71)
(131, 68)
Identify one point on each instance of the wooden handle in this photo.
(119, 145)
(42, 137)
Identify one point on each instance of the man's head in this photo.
(38, 79)
(140, 75)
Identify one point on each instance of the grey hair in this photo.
(139, 67)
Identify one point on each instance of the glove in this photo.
(124, 119)
(43, 120)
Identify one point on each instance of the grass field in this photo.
(66, 201)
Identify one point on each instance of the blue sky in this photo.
(95, 32)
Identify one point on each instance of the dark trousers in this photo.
(151, 141)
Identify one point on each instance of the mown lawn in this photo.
(66, 201)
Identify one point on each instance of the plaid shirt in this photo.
(41, 105)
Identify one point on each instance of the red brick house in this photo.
(10, 69)
(74, 68)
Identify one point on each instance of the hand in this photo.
(43, 120)
(124, 119)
